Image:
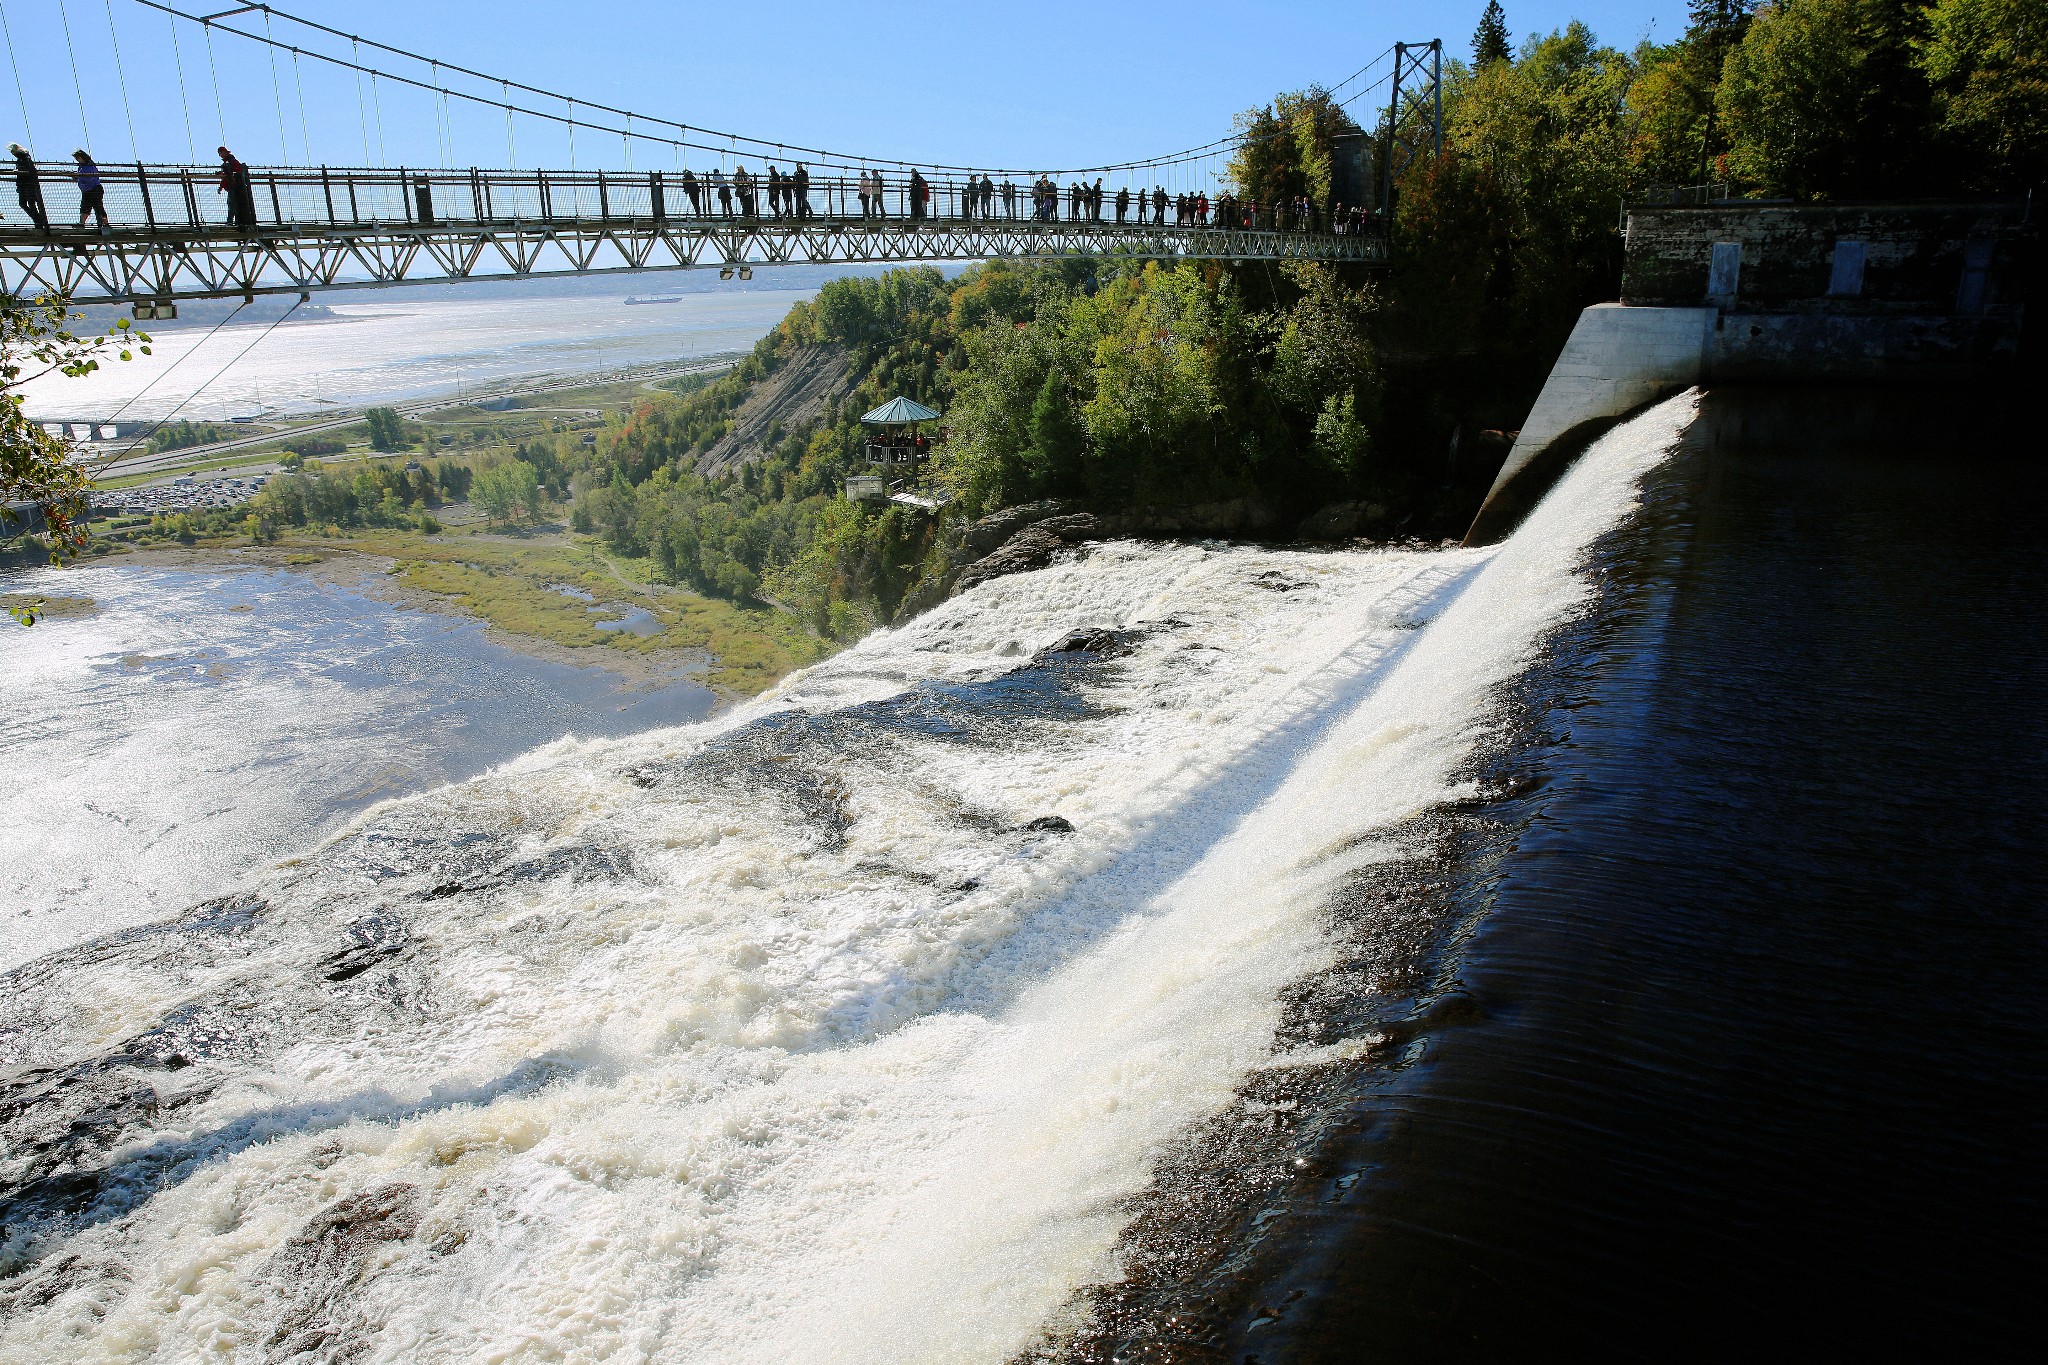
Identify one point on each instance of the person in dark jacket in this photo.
(798, 188)
(234, 183)
(28, 186)
(696, 192)
(92, 195)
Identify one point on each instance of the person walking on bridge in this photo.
(234, 183)
(724, 191)
(988, 197)
(1159, 205)
(92, 195)
(28, 186)
(860, 185)
(1123, 202)
(695, 191)
(800, 187)
(1009, 199)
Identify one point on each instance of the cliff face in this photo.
(797, 393)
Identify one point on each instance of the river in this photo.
(1177, 952)
(394, 345)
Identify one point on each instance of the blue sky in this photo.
(1050, 84)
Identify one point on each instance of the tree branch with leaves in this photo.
(39, 469)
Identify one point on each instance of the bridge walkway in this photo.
(169, 238)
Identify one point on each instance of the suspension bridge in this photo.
(156, 233)
(168, 236)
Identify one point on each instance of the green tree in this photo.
(1490, 41)
(504, 490)
(1988, 63)
(1824, 98)
(1285, 148)
(36, 467)
(387, 429)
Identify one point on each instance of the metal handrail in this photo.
(177, 200)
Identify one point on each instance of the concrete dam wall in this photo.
(1741, 292)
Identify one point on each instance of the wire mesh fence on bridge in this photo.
(176, 199)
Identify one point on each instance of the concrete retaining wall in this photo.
(1618, 359)
(1738, 292)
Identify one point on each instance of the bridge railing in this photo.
(183, 200)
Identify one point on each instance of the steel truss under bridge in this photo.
(302, 230)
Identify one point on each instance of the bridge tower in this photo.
(1415, 112)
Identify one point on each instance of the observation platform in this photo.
(329, 228)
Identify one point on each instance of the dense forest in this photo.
(1121, 385)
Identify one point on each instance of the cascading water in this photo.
(843, 1027)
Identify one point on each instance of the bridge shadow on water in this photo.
(38, 1214)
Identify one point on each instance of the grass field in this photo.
(514, 583)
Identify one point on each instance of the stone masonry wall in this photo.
(1914, 257)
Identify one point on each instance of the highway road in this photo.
(156, 462)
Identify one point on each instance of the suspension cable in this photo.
(64, 13)
(20, 92)
(134, 146)
(846, 160)
(161, 376)
(305, 129)
(213, 379)
(213, 66)
(362, 114)
(276, 93)
(184, 100)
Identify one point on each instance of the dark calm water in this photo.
(1754, 1046)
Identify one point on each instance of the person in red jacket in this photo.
(234, 183)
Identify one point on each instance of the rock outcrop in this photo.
(797, 393)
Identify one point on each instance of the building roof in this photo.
(898, 410)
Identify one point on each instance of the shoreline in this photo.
(374, 576)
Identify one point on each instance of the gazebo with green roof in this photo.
(895, 439)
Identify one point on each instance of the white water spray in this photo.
(838, 1029)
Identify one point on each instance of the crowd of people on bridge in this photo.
(982, 198)
(92, 192)
(788, 196)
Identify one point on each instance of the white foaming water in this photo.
(799, 1035)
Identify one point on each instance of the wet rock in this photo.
(1340, 521)
(318, 1271)
(984, 536)
(1050, 824)
(371, 940)
(1102, 644)
(1031, 548)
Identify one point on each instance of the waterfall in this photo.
(839, 1027)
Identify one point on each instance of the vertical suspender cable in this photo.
(134, 147)
(214, 66)
(64, 13)
(511, 148)
(19, 92)
(362, 114)
(305, 129)
(572, 135)
(184, 100)
(284, 150)
(377, 107)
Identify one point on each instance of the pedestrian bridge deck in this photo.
(168, 236)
